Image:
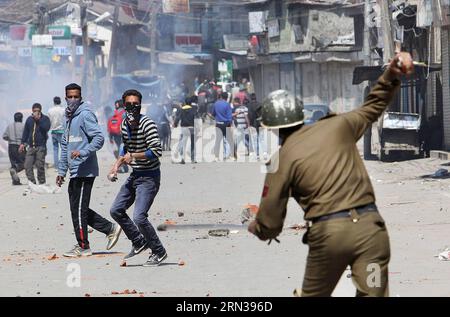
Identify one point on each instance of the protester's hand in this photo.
(75, 154)
(59, 180)
(21, 148)
(252, 227)
(402, 64)
(128, 158)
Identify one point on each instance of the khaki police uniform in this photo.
(320, 167)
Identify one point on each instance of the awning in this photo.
(326, 57)
(372, 73)
(177, 58)
(239, 53)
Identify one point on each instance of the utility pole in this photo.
(368, 62)
(85, 41)
(41, 17)
(155, 7)
(112, 61)
(386, 23)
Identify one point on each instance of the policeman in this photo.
(320, 167)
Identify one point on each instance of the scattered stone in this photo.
(181, 263)
(87, 295)
(180, 214)
(219, 232)
(123, 264)
(214, 210)
(53, 257)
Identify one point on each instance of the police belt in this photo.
(346, 213)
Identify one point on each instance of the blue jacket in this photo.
(81, 133)
(222, 111)
(35, 133)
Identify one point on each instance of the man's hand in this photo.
(402, 64)
(75, 154)
(112, 175)
(128, 158)
(21, 148)
(59, 180)
(252, 227)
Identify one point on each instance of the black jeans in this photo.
(16, 158)
(80, 189)
(223, 132)
(140, 190)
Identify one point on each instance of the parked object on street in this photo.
(399, 132)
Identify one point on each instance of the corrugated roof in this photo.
(21, 11)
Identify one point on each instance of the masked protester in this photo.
(34, 141)
(142, 150)
(320, 167)
(81, 140)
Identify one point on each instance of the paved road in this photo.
(36, 226)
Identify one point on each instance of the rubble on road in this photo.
(219, 232)
(249, 213)
(214, 210)
(445, 255)
(441, 173)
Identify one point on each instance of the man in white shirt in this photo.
(56, 115)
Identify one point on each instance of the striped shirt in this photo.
(143, 138)
(241, 114)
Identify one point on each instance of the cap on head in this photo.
(281, 109)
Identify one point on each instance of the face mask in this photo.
(133, 113)
(72, 106)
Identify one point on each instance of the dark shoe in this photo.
(135, 250)
(113, 236)
(155, 260)
(182, 162)
(15, 183)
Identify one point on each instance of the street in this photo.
(37, 229)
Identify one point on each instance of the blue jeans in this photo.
(56, 140)
(140, 190)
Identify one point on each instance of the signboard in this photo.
(42, 40)
(188, 43)
(257, 21)
(441, 12)
(60, 32)
(225, 68)
(24, 51)
(235, 42)
(175, 6)
(41, 55)
(18, 32)
(273, 27)
(424, 13)
(62, 51)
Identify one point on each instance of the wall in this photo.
(445, 41)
